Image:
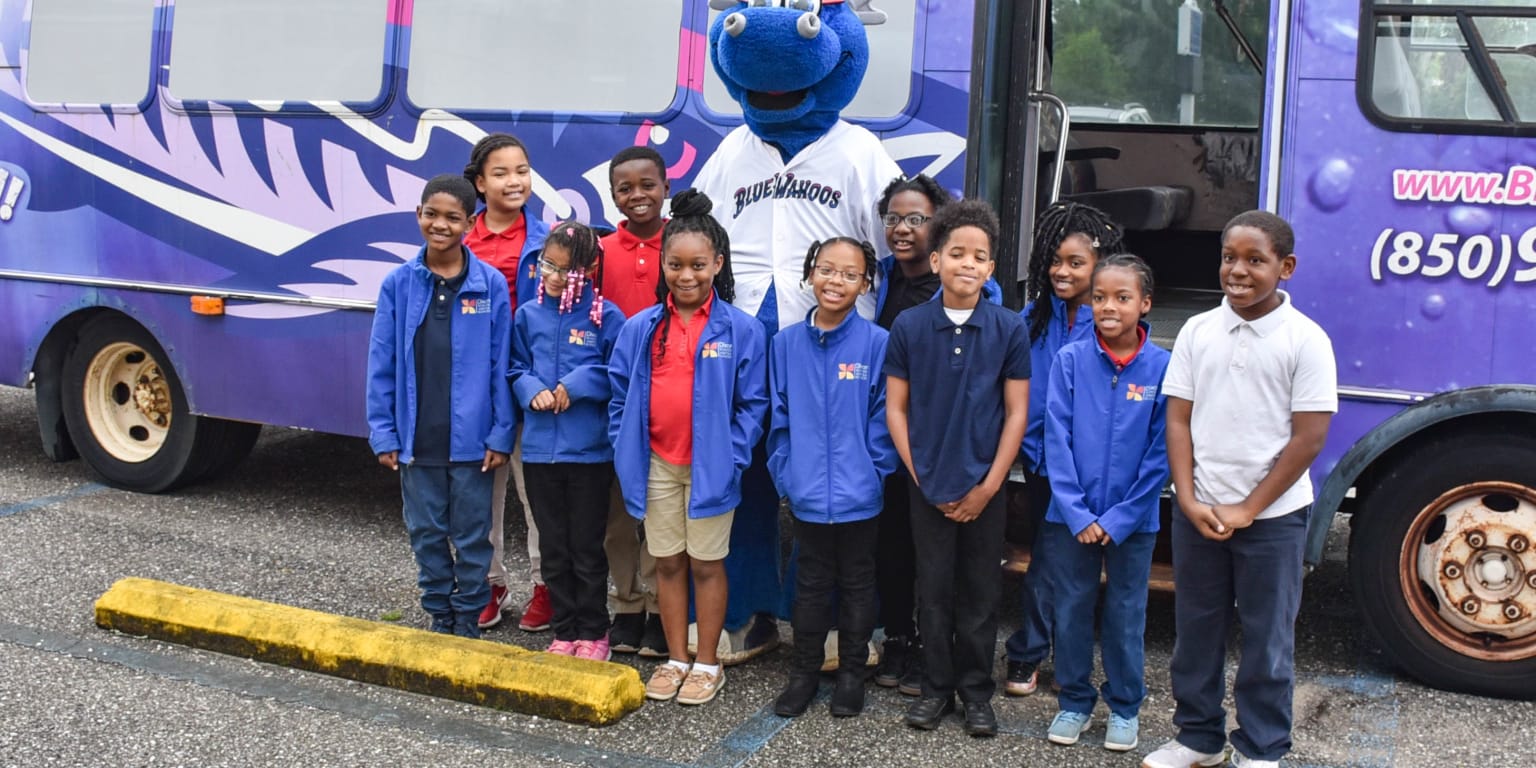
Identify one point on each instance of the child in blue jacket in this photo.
(1070, 238)
(1105, 442)
(689, 379)
(560, 348)
(439, 407)
(829, 451)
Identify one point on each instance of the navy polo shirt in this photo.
(434, 371)
(956, 374)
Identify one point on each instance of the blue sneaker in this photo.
(1120, 735)
(442, 623)
(1068, 726)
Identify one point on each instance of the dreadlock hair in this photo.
(454, 186)
(1131, 262)
(637, 153)
(482, 153)
(1054, 225)
(922, 184)
(871, 262)
(691, 214)
(586, 251)
(1278, 230)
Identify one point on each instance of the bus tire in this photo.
(1442, 562)
(125, 408)
(230, 442)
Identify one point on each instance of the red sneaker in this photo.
(500, 599)
(537, 613)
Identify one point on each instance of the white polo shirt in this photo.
(1245, 379)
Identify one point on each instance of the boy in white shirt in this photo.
(1251, 389)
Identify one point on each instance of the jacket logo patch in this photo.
(1144, 392)
(852, 372)
(721, 349)
(580, 338)
(474, 306)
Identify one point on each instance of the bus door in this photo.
(1164, 103)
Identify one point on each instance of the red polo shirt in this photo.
(500, 249)
(1141, 340)
(631, 267)
(672, 383)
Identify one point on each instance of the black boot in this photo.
(797, 695)
(893, 661)
(804, 676)
(848, 694)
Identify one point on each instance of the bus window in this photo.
(542, 56)
(1119, 62)
(1423, 67)
(89, 51)
(278, 50)
(887, 85)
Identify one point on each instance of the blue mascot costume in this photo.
(793, 174)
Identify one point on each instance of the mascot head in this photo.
(792, 65)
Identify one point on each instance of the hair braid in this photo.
(1054, 225)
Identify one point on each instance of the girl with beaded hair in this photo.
(560, 348)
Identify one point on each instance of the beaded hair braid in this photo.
(586, 259)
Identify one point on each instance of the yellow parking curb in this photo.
(474, 671)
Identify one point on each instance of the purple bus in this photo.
(198, 201)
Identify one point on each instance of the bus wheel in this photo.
(1443, 564)
(125, 408)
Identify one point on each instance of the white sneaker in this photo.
(1176, 755)
(1239, 760)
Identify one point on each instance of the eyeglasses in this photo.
(913, 220)
(547, 267)
(851, 278)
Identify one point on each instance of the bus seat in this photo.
(1142, 208)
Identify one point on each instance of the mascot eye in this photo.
(765, 3)
(809, 6)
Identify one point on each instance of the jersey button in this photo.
(957, 331)
(957, 350)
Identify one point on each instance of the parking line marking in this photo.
(297, 689)
(745, 740)
(44, 501)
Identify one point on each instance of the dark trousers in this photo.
(896, 564)
(957, 589)
(1032, 641)
(1073, 581)
(835, 589)
(447, 514)
(570, 506)
(1258, 571)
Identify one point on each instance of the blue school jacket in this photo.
(483, 416)
(730, 401)
(829, 449)
(528, 263)
(1042, 357)
(1105, 439)
(990, 290)
(550, 348)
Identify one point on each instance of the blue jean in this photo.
(1073, 581)
(1031, 642)
(1258, 571)
(447, 511)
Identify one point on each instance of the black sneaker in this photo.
(624, 636)
(1023, 678)
(653, 641)
(893, 661)
(912, 677)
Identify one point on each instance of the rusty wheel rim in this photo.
(1468, 570)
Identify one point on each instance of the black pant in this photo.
(896, 567)
(835, 589)
(570, 506)
(958, 584)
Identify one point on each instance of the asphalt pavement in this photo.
(311, 520)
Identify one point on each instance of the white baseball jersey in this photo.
(773, 210)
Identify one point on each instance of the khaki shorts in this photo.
(668, 528)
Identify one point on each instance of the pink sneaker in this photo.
(563, 648)
(596, 650)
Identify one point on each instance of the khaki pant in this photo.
(514, 469)
(631, 568)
